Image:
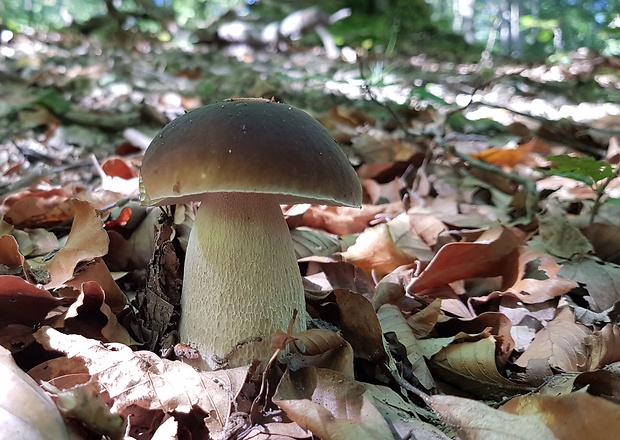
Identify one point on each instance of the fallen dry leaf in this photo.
(330, 405)
(603, 347)
(488, 256)
(86, 241)
(24, 303)
(476, 421)
(392, 321)
(376, 252)
(574, 416)
(471, 367)
(561, 344)
(143, 379)
(26, 411)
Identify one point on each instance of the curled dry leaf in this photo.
(86, 241)
(476, 421)
(601, 280)
(97, 271)
(531, 290)
(24, 303)
(316, 341)
(9, 253)
(423, 322)
(90, 316)
(392, 320)
(330, 405)
(492, 254)
(341, 220)
(561, 344)
(82, 403)
(35, 207)
(574, 416)
(471, 367)
(359, 325)
(497, 323)
(26, 412)
(603, 347)
(375, 252)
(144, 380)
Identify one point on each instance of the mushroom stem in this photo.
(241, 279)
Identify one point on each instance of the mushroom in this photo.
(241, 159)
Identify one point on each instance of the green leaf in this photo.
(585, 169)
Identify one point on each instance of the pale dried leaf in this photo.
(603, 347)
(86, 241)
(574, 416)
(423, 322)
(26, 412)
(392, 320)
(476, 421)
(375, 251)
(561, 343)
(471, 367)
(602, 280)
(330, 405)
(145, 380)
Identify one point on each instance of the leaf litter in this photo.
(470, 296)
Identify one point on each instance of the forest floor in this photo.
(475, 292)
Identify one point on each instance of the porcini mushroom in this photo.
(241, 159)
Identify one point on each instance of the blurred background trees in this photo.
(518, 28)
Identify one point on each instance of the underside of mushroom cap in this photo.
(247, 145)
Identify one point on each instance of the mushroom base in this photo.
(241, 280)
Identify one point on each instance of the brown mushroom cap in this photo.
(247, 145)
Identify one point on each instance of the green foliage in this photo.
(584, 168)
(597, 174)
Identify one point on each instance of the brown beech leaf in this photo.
(316, 341)
(574, 416)
(86, 241)
(532, 291)
(471, 367)
(37, 207)
(392, 320)
(374, 251)
(24, 303)
(561, 344)
(407, 239)
(497, 323)
(90, 316)
(488, 256)
(343, 220)
(9, 253)
(359, 325)
(404, 418)
(423, 322)
(602, 280)
(330, 405)
(26, 412)
(605, 237)
(476, 421)
(427, 227)
(96, 270)
(603, 347)
(142, 379)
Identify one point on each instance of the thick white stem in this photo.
(241, 279)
